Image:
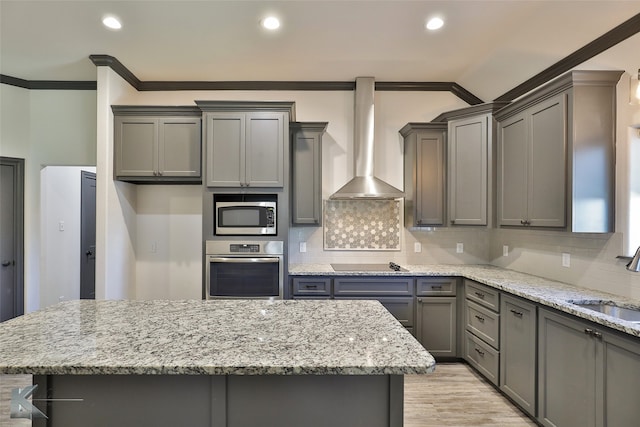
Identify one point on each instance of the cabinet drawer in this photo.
(402, 308)
(435, 286)
(483, 323)
(377, 286)
(311, 287)
(482, 294)
(482, 357)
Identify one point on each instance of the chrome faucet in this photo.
(634, 264)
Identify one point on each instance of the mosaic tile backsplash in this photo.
(351, 225)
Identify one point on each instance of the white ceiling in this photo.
(488, 47)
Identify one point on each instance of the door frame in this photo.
(19, 168)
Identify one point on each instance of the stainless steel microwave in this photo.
(248, 217)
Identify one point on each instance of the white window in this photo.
(632, 238)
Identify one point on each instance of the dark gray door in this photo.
(11, 238)
(88, 236)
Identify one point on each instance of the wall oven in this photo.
(238, 269)
(245, 214)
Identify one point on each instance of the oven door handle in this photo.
(242, 260)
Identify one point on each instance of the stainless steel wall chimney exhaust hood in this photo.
(365, 185)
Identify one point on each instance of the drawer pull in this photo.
(481, 319)
(479, 294)
(593, 333)
(516, 313)
(311, 286)
(437, 287)
(480, 352)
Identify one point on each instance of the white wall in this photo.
(60, 243)
(44, 127)
(169, 218)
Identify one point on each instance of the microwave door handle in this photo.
(244, 260)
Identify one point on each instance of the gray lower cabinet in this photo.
(306, 173)
(518, 336)
(157, 144)
(482, 326)
(587, 376)
(395, 293)
(424, 173)
(311, 287)
(436, 316)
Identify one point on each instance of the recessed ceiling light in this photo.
(112, 22)
(271, 23)
(434, 23)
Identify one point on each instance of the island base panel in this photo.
(222, 401)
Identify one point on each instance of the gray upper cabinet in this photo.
(245, 143)
(306, 176)
(153, 143)
(424, 173)
(532, 166)
(468, 170)
(556, 158)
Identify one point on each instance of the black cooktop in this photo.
(368, 267)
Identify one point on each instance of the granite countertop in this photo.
(546, 292)
(218, 337)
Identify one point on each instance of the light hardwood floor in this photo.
(454, 395)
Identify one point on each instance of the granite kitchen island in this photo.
(215, 363)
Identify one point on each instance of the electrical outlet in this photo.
(303, 246)
(417, 247)
(459, 248)
(61, 225)
(154, 247)
(566, 260)
(505, 250)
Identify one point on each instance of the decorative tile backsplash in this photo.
(372, 225)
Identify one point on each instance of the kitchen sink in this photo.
(613, 310)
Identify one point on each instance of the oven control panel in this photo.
(244, 248)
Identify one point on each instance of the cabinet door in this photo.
(179, 147)
(136, 141)
(547, 163)
(468, 139)
(429, 208)
(566, 372)
(436, 325)
(225, 150)
(518, 352)
(265, 140)
(512, 171)
(620, 381)
(306, 199)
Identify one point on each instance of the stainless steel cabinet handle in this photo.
(453, 221)
(593, 333)
(6, 263)
(311, 286)
(479, 294)
(436, 287)
(480, 352)
(516, 313)
(481, 319)
(244, 260)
